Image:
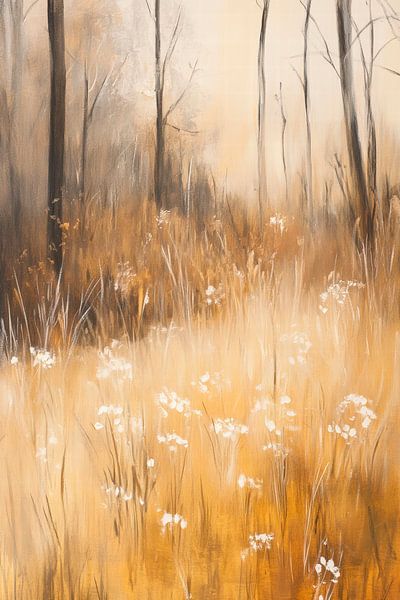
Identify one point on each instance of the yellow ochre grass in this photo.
(224, 340)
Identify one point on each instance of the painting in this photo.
(199, 299)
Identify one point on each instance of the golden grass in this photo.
(70, 531)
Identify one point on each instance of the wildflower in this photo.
(214, 296)
(229, 428)
(14, 360)
(113, 365)
(258, 542)
(207, 381)
(299, 345)
(270, 425)
(253, 484)
(172, 440)
(98, 426)
(168, 519)
(117, 491)
(353, 418)
(42, 358)
(150, 463)
(170, 401)
(278, 449)
(327, 566)
(163, 217)
(278, 221)
(338, 292)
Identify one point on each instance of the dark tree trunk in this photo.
(15, 113)
(262, 167)
(55, 11)
(160, 128)
(85, 131)
(361, 210)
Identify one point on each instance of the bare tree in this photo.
(306, 92)
(262, 167)
(160, 129)
(16, 14)
(163, 114)
(55, 13)
(360, 204)
(279, 99)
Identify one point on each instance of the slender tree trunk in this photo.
(360, 201)
(306, 89)
(262, 167)
(85, 130)
(55, 11)
(283, 144)
(372, 146)
(16, 10)
(160, 128)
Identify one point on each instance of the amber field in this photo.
(210, 415)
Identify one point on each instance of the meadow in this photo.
(202, 412)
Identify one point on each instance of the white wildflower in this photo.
(229, 428)
(43, 358)
(169, 520)
(249, 482)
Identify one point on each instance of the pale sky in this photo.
(222, 101)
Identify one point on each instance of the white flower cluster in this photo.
(283, 414)
(170, 401)
(112, 365)
(257, 543)
(42, 358)
(249, 482)
(229, 428)
(353, 418)
(299, 346)
(125, 278)
(338, 292)
(112, 411)
(325, 567)
(118, 492)
(278, 449)
(169, 520)
(207, 381)
(163, 217)
(278, 221)
(172, 440)
(214, 296)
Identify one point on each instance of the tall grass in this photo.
(180, 391)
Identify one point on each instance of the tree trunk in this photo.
(16, 10)
(160, 129)
(360, 208)
(85, 131)
(55, 11)
(306, 89)
(262, 167)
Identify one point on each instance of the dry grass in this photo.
(80, 507)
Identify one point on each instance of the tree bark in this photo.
(160, 126)
(262, 167)
(361, 210)
(16, 10)
(55, 11)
